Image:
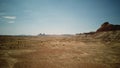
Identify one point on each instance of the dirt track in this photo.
(56, 52)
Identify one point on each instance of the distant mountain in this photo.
(108, 27)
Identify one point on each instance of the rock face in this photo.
(108, 27)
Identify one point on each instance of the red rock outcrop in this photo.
(108, 27)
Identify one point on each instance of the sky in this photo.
(31, 17)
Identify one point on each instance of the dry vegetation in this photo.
(57, 52)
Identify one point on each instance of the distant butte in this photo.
(108, 27)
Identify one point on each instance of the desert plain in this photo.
(58, 51)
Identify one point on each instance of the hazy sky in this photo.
(56, 16)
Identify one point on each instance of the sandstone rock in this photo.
(108, 27)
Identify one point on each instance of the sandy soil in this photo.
(56, 52)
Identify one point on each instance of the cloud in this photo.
(9, 17)
(11, 21)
